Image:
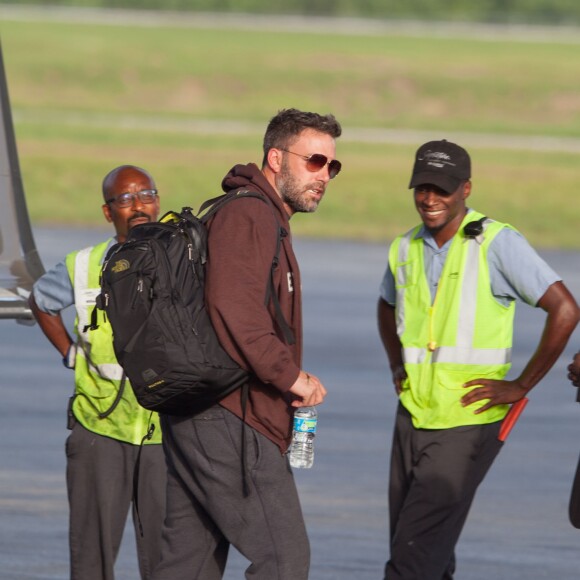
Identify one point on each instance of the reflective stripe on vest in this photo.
(461, 335)
(463, 351)
(97, 373)
(85, 301)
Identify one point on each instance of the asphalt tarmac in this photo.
(518, 526)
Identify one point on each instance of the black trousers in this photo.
(574, 506)
(99, 478)
(433, 480)
(209, 508)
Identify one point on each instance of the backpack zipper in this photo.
(139, 291)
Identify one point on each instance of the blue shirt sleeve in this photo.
(387, 288)
(516, 271)
(53, 291)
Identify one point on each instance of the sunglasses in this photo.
(126, 199)
(317, 161)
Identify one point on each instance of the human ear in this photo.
(274, 158)
(466, 189)
(107, 212)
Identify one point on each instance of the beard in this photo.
(295, 195)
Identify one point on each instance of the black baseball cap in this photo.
(441, 163)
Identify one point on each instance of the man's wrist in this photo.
(69, 359)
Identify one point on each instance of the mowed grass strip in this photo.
(60, 71)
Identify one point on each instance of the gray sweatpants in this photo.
(100, 491)
(207, 509)
(433, 480)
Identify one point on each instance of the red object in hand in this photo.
(511, 418)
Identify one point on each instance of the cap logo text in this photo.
(436, 158)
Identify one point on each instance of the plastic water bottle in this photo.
(302, 446)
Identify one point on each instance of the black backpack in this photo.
(152, 291)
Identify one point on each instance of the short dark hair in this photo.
(284, 128)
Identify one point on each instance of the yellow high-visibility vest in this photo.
(464, 334)
(98, 375)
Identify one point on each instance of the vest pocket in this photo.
(406, 273)
(451, 390)
(453, 380)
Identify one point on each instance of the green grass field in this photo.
(188, 103)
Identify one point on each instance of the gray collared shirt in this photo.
(516, 271)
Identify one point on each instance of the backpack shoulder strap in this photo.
(210, 202)
(216, 204)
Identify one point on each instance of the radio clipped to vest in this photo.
(475, 228)
(152, 291)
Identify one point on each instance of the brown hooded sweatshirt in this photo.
(241, 244)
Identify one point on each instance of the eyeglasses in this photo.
(127, 199)
(317, 161)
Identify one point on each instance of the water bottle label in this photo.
(305, 425)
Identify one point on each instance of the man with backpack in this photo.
(229, 480)
(107, 467)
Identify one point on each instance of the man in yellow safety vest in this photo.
(445, 315)
(106, 463)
